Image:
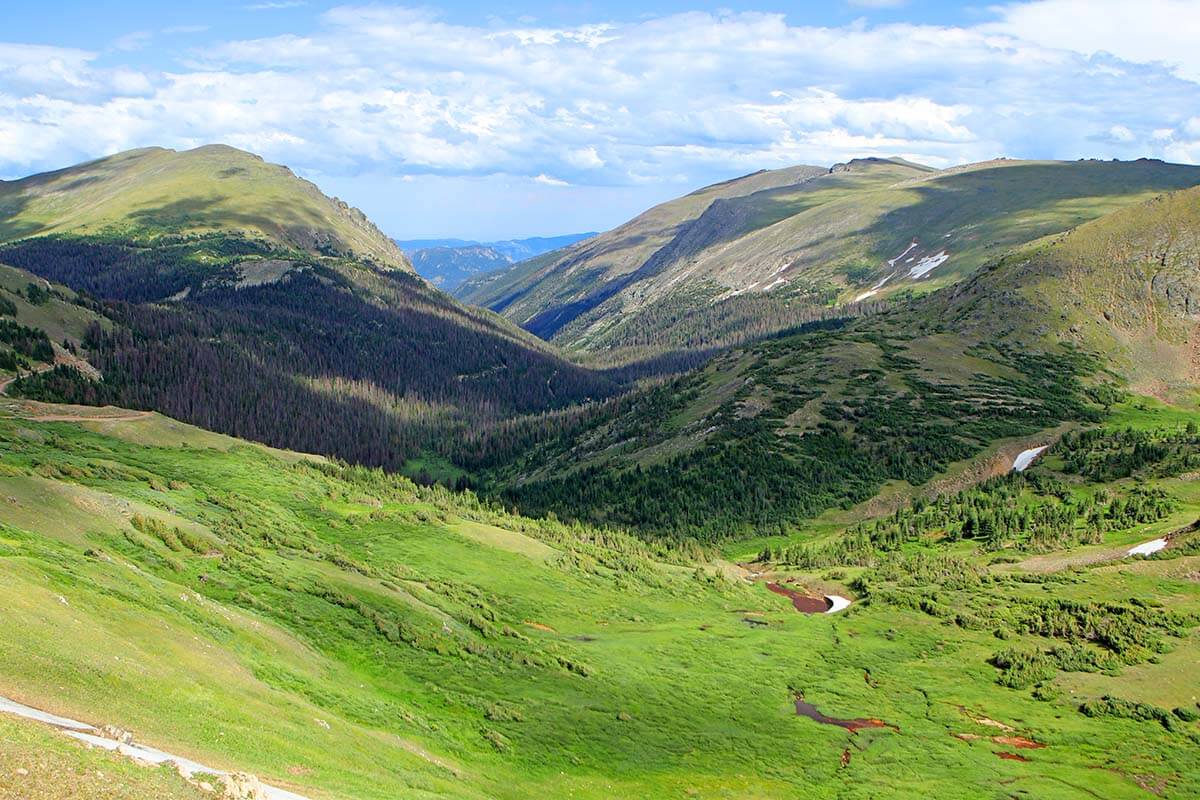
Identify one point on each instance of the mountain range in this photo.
(760, 253)
(446, 263)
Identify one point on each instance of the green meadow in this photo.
(344, 633)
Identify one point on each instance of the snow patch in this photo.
(874, 290)
(892, 262)
(927, 265)
(1026, 457)
(836, 603)
(1148, 548)
(773, 284)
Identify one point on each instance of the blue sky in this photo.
(513, 119)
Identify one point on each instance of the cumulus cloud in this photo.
(683, 98)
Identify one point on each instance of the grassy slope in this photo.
(565, 275)
(57, 768)
(827, 241)
(211, 188)
(345, 635)
(60, 317)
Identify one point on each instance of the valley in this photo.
(375, 622)
(273, 504)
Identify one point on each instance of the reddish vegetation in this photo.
(1012, 756)
(1018, 741)
(801, 602)
(540, 627)
(805, 709)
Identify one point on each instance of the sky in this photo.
(511, 119)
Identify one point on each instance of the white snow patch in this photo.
(1148, 548)
(773, 284)
(1026, 457)
(836, 603)
(892, 262)
(874, 290)
(927, 265)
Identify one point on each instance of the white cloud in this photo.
(133, 41)
(275, 5)
(1144, 31)
(681, 99)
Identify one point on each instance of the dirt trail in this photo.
(53, 412)
(126, 416)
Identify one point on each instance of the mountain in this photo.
(446, 263)
(776, 249)
(156, 192)
(766, 437)
(234, 295)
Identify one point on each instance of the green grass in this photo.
(39, 764)
(347, 634)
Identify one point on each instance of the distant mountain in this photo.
(446, 263)
(775, 249)
(229, 293)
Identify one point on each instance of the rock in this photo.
(205, 786)
(242, 786)
(22, 771)
(119, 734)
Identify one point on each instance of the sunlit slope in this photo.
(344, 634)
(861, 232)
(577, 272)
(154, 191)
(1125, 286)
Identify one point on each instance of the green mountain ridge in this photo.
(214, 188)
(752, 258)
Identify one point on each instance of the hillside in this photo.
(764, 438)
(155, 192)
(342, 633)
(228, 312)
(778, 249)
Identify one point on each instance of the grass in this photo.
(346, 634)
(39, 764)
